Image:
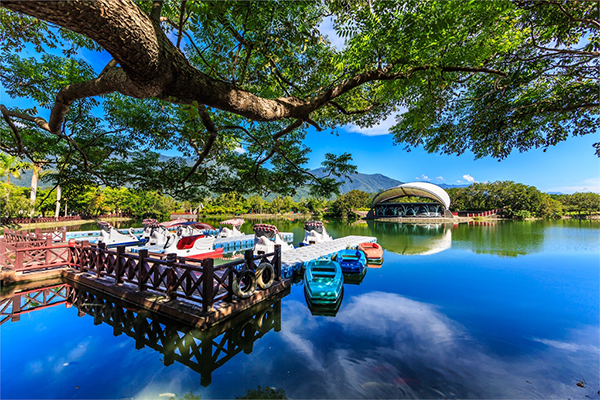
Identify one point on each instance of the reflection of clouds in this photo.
(72, 356)
(300, 318)
(416, 351)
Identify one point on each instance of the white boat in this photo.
(111, 237)
(226, 232)
(266, 237)
(314, 232)
(196, 246)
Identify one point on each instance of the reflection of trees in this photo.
(264, 393)
(502, 238)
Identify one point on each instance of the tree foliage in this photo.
(515, 199)
(233, 86)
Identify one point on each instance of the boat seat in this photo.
(187, 242)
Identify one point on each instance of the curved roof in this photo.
(419, 189)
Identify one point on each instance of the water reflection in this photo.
(201, 351)
(415, 351)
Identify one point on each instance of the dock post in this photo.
(171, 259)
(142, 268)
(99, 264)
(249, 257)
(277, 262)
(83, 255)
(119, 264)
(48, 253)
(207, 284)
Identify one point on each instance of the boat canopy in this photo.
(150, 223)
(418, 189)
(316, 226)
(266, 230)
(168, 224)
(105, 226)
(233, 221)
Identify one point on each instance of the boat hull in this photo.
(323, 282)
(373, 252)
(351, 261)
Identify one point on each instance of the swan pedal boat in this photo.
(323, 282)
(111, 237)
(314, 232)
(234, 231)
(266, 237)
(352, 261)
(373, 252)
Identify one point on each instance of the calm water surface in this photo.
(506, 310)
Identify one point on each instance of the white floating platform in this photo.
(294, 260)
(244, 242)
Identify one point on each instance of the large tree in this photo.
(234, 86)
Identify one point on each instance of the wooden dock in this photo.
(195, 291)
(294, 260)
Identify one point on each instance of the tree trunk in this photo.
(57, 211)
(34, 184)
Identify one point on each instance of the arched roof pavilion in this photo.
(417, 189)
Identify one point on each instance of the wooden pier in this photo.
(197, 292)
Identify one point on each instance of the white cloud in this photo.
(381, 128)
(423, 177)
(239, 150)
(468, 178)
(440, 179)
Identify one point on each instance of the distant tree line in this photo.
(520, 201)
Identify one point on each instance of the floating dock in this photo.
(294, 260)
(244, 242)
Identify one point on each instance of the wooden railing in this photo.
(13, 236)
(193, 280)
(199, 281)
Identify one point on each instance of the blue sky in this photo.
(569, 167)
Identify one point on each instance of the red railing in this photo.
(195, 280)
(13, 236)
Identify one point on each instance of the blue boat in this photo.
(351, 261)
(323, 282)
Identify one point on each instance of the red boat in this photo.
(373, 251)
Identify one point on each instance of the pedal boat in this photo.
(111, 237)
(266, 237)
(323, 282)
(314, 232)
(352, 261)
(373, 252)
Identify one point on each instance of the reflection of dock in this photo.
(201, 351)
(295, 259)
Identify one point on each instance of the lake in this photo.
(492, 310)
